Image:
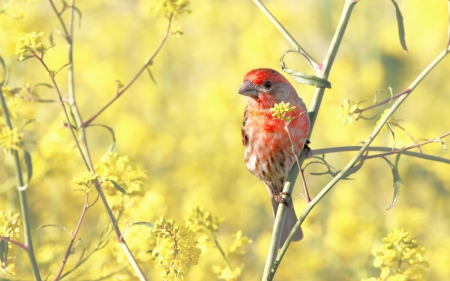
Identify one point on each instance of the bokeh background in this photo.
(185, 130)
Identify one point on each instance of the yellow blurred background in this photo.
(185, 130)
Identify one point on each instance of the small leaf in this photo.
(50, 39)
(28, 164)
(57, 226)
(78, 15)
(303, 78)
(392, 132)
(56, 72)
(401, 28)
(397, 182)
(3, 253)
(392, 94)
(117, 186)
(151, 75)
(148, 224)
(112, 146)
(376, 95)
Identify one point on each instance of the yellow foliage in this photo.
(178, 142)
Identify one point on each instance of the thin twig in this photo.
(128, 85)
(15, 243)
(73, 237)
(317, 67)
(405, 92)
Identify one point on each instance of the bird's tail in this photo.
(291, 220)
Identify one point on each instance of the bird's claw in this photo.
(279, 199)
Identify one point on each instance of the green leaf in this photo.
(117, 186)
(50, 39)
(401, 27)
(112, 146)
(57, 226)
(28, 164)
(144, 223)
(397, 182)
(392, 132)
(78, 15)
(56, 72)
(151, 75)
(3, 253)
(303, 78)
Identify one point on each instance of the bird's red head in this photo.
(268, 83)
(262, 75)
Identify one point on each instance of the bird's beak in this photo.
(249, 90)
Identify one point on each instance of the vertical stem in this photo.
(314, 109)
(22, 197)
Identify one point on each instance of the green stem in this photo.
(83, 139)
(227, 261)
(358, 155)
(314, 109)
(136, 76)
(22, 197)
(314, 65)
(388, 151)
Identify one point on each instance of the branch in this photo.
(314, 109)
(18, 244)
(312, 63)
(379, 148)
(73, 237)
(141, 70)
(358, 155)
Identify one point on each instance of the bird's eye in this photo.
(268, 84)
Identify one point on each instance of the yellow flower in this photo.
(10, 139)
(238, 243)
(280, 110)
(29, 45)
(349, 112)
(86, 179)
(390, 120)
(400, 257)
(170, 8)
(10, 227)
(229, 274)
(122, 171)
(176, 249)
(200, 218)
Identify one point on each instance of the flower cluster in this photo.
(122, 171)
(238, 243)
(280, 110)
(391, 120)
(349, 112)
(30, 45)
(175, 250)
(11, 228)
(86, 179)
(399, 258)
(10, 139)
(170, 8)
(200, 219)
(229, 274)
(207, 225)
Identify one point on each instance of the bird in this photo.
(269, 154)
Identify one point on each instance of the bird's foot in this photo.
(278, 196)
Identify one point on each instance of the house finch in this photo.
(268, 150)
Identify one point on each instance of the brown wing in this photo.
(244, 133)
